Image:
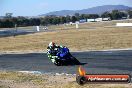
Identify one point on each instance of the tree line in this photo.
(21, 21)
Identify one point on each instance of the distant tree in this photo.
(68, 19)
(93, 16)
(82, 16)
(130, 13)
(6, 23)
(14, 20)
(21, 21)
(27, 22)
(115, 15)
(73, 19)
(122, 14)
(44, 21)
(56, 20)
(51, 20)
(34, 21)
(62, 19)
(0, 24)
(106, 14)
(77, 15)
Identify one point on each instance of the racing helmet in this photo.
(52, 44)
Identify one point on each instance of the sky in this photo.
(38, 7)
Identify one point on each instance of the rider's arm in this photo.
(49, 53)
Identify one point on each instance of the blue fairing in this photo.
(63, 52)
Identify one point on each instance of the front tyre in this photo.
(58, 62)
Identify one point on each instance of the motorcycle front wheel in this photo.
(58, 62)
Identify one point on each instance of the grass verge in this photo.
(24, 80)
(104, 35)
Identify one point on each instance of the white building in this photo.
(90, 20)
(98, 19)
(106, 19)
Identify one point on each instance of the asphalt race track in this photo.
(101, 62)
(13, 32)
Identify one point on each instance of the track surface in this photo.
(102, 62)
(19, 31)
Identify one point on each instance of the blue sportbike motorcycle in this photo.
(65, 58)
